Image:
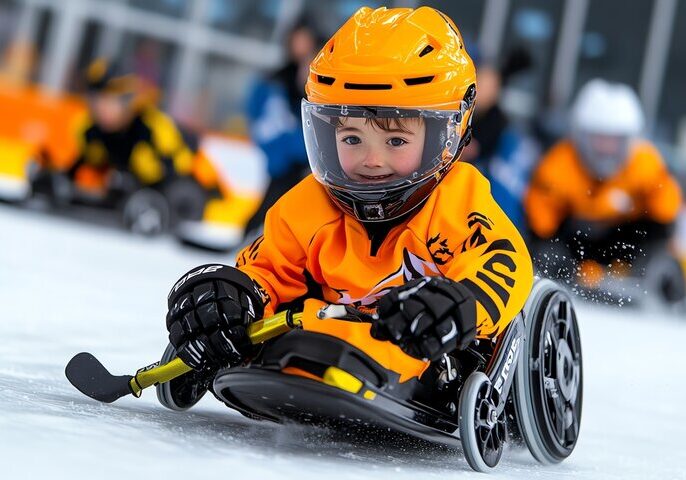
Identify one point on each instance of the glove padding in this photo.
(209, 310)
(427, 317)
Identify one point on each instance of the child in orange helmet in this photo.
(389, 221)
(603, 197)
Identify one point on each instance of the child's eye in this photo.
(352, 140)
(396, 142)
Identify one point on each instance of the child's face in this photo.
(370, 154)
(109, 111)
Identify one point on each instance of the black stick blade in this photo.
(91, 378)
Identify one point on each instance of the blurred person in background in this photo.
(273, 111)
(131, 157)
(602, 201)
(502, 152)
(126, 137)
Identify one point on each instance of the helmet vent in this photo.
(418, 80)
(325, 80)
(367, 86)
(426, 50)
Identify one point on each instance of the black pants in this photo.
(629, 243)
(276, 188)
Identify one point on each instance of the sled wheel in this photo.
(146, 212)
(482, 431)
(664, 279)
(182, 392)
(187, 200)
(548, 380)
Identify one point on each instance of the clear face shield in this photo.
(366, 149)
(603, 155)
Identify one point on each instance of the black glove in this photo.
(209, 310)
(427, 317)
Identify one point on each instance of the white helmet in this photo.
(604, 118)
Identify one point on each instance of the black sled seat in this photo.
(312, 378)
(528, 384)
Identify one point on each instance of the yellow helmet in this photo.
(383, 65)
(105, 77)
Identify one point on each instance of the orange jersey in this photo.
(561, 188)
(459, 232)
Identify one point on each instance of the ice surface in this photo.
(67, 287)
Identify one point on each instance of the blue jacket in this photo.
(509, 171)
(275, 128)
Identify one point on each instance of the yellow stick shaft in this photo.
(159, 374)
(259, 332)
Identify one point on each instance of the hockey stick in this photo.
(90, 377)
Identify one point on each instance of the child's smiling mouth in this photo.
(374, 178)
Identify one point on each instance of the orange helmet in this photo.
(388, 68)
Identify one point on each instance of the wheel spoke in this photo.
(549, 356)
(572, 401)
(484, 435)
(549, 365)
(563, 330)
(565, 311)
(551, 330)
(481, 413)
(489, 450)
(493, 441)
(500, 432)
(570, 332)
(573, 431)
(573, 345)
(559, 422)
(488, 441)
(569, 317)
(559, 409)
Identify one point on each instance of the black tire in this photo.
(53, 188)
(187, 199)
(548, 386)
(482, 435)
(181, 393)
(664, 279)
(146, 212)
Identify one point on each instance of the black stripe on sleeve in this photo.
(483, 298)
(500, 245)
(498, 289)
(507, 262)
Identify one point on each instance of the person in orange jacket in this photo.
(389, 221)
(602, 197)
